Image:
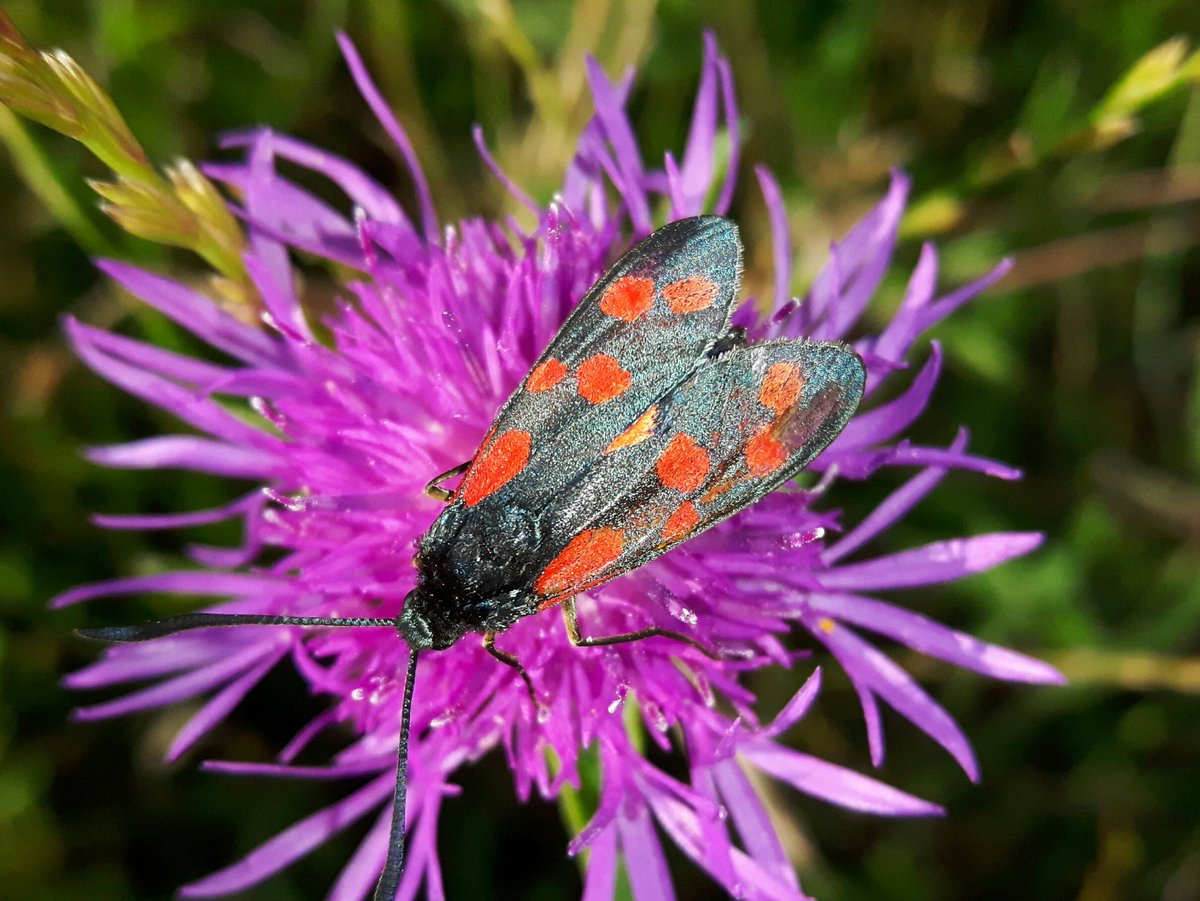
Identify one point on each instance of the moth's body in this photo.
(475, 573)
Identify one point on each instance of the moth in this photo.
(647, 420)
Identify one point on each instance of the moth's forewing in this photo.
(636, 334)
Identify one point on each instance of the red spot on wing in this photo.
(601, 378)
(680, 523)
(636, 433)
(546, 375)
(580, 561)
(781, 387)
(764, 454)
(683, 464)
(691, 294)
(628, 298)
(496, 466)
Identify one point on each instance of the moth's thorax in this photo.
(475, 570)
(484, 550)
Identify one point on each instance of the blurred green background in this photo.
(1081, 368)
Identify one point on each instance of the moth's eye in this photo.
(416, 561)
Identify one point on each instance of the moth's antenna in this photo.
(393, 868)
(159, 628)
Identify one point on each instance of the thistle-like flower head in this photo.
(341, 422)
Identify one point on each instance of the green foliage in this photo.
(1067, 135)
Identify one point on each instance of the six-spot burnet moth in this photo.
(647, 420)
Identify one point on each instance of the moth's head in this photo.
(422, 628)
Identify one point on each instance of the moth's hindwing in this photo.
(747, 421)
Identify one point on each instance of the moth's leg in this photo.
(489, 644)
(438, 493)
(580, 641)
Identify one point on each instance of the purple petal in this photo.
(873, 721)
(310, 730)
(219, 707)
(600, 880)
(245, 504)
(905, 454)
(269, 268)
(941, 561)
(149, 660)
(383, 113)
(199, 412)
(930, 637)
(361, 874)
(753, 824)
(180, 688)
(611, 113)
(422, 857)
(224, 558)
(882, 423)
(644, 858)
(755, 883)
(899, 334)
(706, 841)
(781, 239)
(679, 201)
(943, 307)
(202, 582)
(267, 261)
(291, 215)
(835, 784)
(612, 794)
(284, 771)
(795, 709)
(162, 362)
(821, 297)
(362, 190)
(875, 671)
(186, 452)
(501, 176)
(697, 170)
(729, 99)
(293, 843)
(580, 179)
(195, 312)
(868, 251)
(892, 509)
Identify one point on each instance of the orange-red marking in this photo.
(780, 387)
(688, 295)
(546, 375)
(680, 523)
(496, 466)
(636, 433)
(628, 298)
(720, 486)
(601, 378)
(683, 464)
(581, 561)
(764, 454)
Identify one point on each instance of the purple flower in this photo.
(342, 432)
